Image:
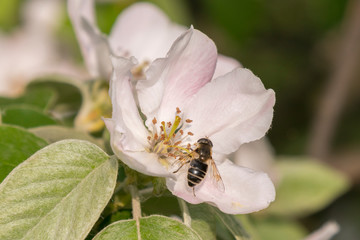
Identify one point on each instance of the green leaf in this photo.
(16, 145)
(58, 193)
(56, 133)
(39, 98)
(69, 94)
(201, 221)
(306, 186)
(26, 117)
(274, 229)
(231, 223)
(270, 228)
(151, 228)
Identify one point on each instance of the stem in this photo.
(136, 207)
(185, 211)
(339, 83)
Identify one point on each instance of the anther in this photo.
(178, 110)
(181, 132)
(190, 133)
(149, 138)
(156, 136)
(169, 124)
(154, 121)
(188, 120)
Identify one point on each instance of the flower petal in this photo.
(246, 191)
(232, 110)
(172, 81)
(144, 31)
(225, 65)
(94, 46)
(141, 161)
(127, 130)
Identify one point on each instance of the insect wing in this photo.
(215, 176)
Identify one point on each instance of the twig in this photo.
(334, 97)
(136, 207)
(185, 211)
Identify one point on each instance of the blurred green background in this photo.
(295, 47)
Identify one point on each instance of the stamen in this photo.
(163, 128)
(180, 148)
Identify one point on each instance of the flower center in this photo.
(139, 70)
(167, 139)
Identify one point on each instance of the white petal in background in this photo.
(258, 155)
(143, 31)
(30, 51)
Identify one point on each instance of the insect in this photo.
(199, 161)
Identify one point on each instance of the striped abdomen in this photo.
(196, 172)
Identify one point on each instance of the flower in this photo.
(142, 30)
(30, 50)
(183, 102)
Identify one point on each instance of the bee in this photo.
(199, 161)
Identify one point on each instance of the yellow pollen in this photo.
(167, 143)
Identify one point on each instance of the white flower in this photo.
(30, 50)
(183, 103)
(258, 155)
(142, 30)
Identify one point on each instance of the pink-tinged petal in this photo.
(225, 65)
(189, 65)
(141, 161)
(144, 31)
(93, 45)
(127, 130)
(231, 110)
(258, 155)
(246, 191)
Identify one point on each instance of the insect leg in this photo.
(181, 166)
